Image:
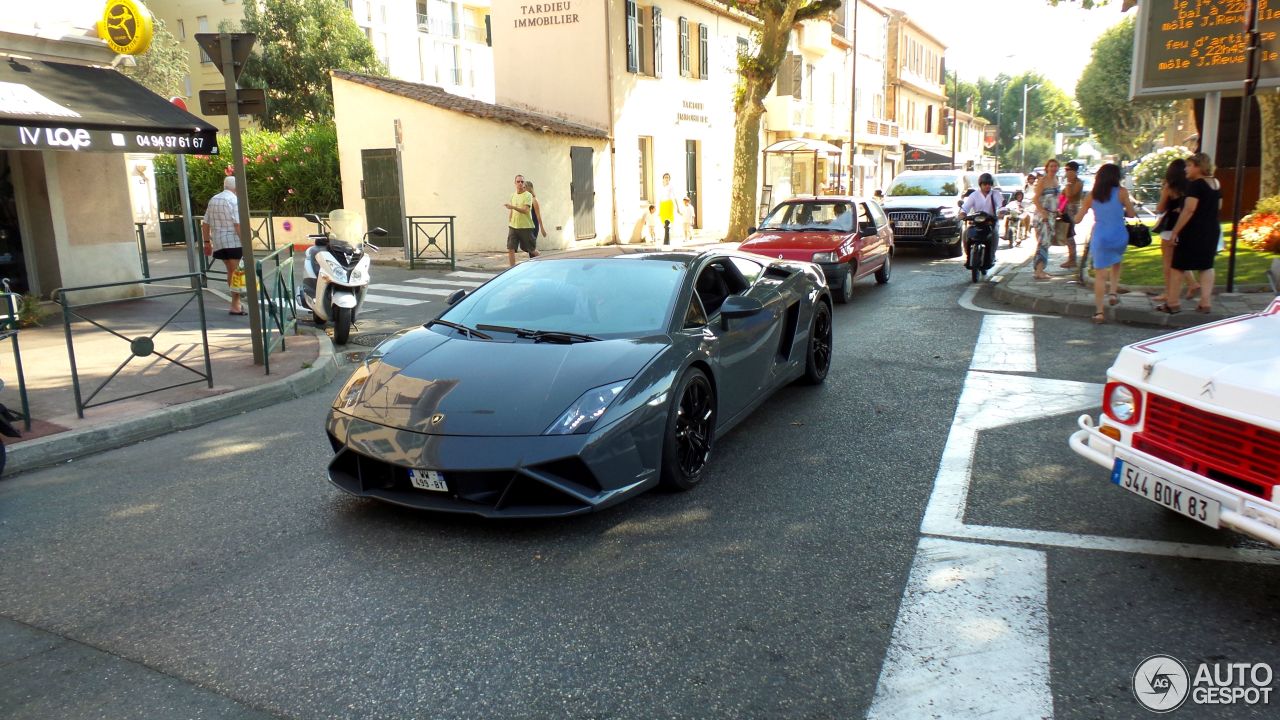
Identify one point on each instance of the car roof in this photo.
(616, 252)
(826, 198)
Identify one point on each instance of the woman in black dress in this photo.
(1195, 236)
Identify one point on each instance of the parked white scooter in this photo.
(336, 272)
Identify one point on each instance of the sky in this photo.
(980, 36)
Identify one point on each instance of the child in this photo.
(649, 233)
(688, 219)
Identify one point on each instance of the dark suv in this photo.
(923, 208)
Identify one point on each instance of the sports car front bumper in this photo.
(509, 477)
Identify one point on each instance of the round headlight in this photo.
(1122, 403)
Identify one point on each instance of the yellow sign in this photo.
(126, 26)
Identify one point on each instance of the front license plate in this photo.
(910, 223)
(1166, 493)
(428, 480)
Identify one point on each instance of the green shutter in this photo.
(657, 42)
(633, 42)
(703, 60)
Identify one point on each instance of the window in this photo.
(646, 170)
(182, 30)
(202, 23)
(744, 47)
(790, 78)
(695, 316)
(656, 24)
(703, 54)
(685, 67)
(928, 119)
(633, 37)
(643, 58)
(750, 269)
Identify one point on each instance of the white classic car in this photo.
(1191, 421)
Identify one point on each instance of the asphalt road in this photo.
(216, 573)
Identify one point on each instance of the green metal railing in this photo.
(277, 293)
(431, 239)
(9, 330)
(141, 346)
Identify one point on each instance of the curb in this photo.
(76, 444)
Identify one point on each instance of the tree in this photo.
(299, 42)
(1048, 111)
(756, 75)
(1103, 94)
(161, 68)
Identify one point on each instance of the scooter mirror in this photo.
(378, 232)
(312, 217)
(455, 297)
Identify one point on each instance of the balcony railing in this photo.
(446, 28)
(882, 128)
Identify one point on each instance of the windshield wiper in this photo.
(469, 332)
(557, 336)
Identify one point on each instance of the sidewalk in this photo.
(1063, 295)
(57, 434)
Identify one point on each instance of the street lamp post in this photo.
(1025, 89)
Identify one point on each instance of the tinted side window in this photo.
(695, 316)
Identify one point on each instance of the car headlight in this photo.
(826, 257)
(1122, 403)
(584, 411)
(949, 212)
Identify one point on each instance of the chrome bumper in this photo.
(1246, 514)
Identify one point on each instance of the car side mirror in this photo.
(867, 228)
(738, 306)
(752, 230)
(455, 297)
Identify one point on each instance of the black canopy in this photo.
(923, 155)
(56, 106)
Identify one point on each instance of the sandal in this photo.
(1192, 292)
(1204, 309)
(1159, 298)
(1169, 309)
(1099, 318)
(1113, 299)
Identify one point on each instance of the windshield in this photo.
(822, 215)
(1009, 180)
(924, 185)
(600, 297)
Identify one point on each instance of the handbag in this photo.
(1139, 234)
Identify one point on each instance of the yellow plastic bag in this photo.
(236, 281)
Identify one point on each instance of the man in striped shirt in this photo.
(221, 229)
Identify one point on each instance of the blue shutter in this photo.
(657, 42)
(633, 42)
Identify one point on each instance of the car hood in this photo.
(429, 383)
(917, 202)
(793, 245)
(1233, 365)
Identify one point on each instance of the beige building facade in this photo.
(916, 92)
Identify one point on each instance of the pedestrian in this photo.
(221, 230)
(1111, 205)
(667, 207)
(688, 214)
(520, 223)
(878, 196)
(536, 212)
(1195, 235)
(1072, 192)
(1172, 192)
(649, 230)
(1045, 197)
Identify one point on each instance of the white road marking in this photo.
(1021, 536)
(972, 636)
(451, 283)
(1007, 343)
(388, 300)
(413, 290)
(468, 274)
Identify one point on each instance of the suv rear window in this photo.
(925, 185)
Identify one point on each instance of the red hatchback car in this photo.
(822, 230)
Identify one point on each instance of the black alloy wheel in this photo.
(882, 275)
(817, 360)
(691, 427)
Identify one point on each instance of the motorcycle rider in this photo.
(987, 200)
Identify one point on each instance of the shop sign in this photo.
(79, 139)
(543, 14)
(989, 136)
(696, 115)
(126, 26)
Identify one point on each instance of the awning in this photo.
(920, 155)
(803, 145)
(56, 106)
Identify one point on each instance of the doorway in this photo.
(381, 190)
(582, 191)
(13, 264)
(692, 149)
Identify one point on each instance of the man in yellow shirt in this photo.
(520, 223)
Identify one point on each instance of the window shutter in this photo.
(797, 75)
(703, 60)
(633, 42)
(657, 42)
(684, 46)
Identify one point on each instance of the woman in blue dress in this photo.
(1111, 205)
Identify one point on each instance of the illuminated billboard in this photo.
(1184, 48)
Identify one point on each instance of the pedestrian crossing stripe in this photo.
(451, 283)
(388, 300)
(412, 290)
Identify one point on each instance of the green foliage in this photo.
(1103, 95)
(1267, 206)
(30, 311)
(287, 173)
(1038, 151)
(299, 42)
(161, 68)
(1148, 176)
